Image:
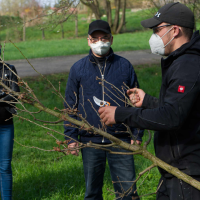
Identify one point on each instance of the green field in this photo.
(34, 33)
(135, 38)
(40, 175)
(50, 48)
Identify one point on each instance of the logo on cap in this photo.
(157, 14)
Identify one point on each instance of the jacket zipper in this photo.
(102, 77)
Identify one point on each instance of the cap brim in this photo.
(150, 23)
(99, 29)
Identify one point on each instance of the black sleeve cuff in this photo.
(145, 102)
(121, 114)
(149, 102)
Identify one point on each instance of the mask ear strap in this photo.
(168, 42)
(167, 31)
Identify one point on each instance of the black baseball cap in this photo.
(172, 13)
(99, 25)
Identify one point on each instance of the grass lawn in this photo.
(50, 48)
(136, 38)
(53, 45)
(34, 33)
(40, 175)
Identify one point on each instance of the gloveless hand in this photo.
(136, 96)
(107, 114)
(74, 145)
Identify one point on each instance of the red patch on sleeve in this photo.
(181, 88)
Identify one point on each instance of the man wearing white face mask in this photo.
(176, 114)
(156, 42)
(81, 87)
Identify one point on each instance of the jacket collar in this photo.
(185, 48)
(109, 58)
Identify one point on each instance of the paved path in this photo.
(61, 64)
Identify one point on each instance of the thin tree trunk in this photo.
(122, 21)
(95, 10)
(43, 34)
(76, 24)
(63, 32)
(89, 19)
(94, 6)
(108, 12)
(7, 34)
(116, 20)
(24, 29)
(155, 4)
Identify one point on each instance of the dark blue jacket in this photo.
(82, 82)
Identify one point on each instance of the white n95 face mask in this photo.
(156, 44)
(100, 48)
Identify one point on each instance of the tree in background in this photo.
(57, 15)
(94, 6)
(16, 15)
(13, 7)
(116, 24)
(25, 13)
(19, 14)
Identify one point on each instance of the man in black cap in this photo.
(176, 114)
(82, 86)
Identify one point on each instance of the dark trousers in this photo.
(175, 189)
(6, 149)
(122, 166)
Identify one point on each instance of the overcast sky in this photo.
(51, 2)
(47, 2)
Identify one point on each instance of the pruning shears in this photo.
(101, 103)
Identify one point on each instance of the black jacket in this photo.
(176, 115)
(10, 79)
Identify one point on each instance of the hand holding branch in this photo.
(74, 145)
(107, 114)
(136, 96)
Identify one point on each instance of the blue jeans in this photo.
(6, 149)
(122, 166)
